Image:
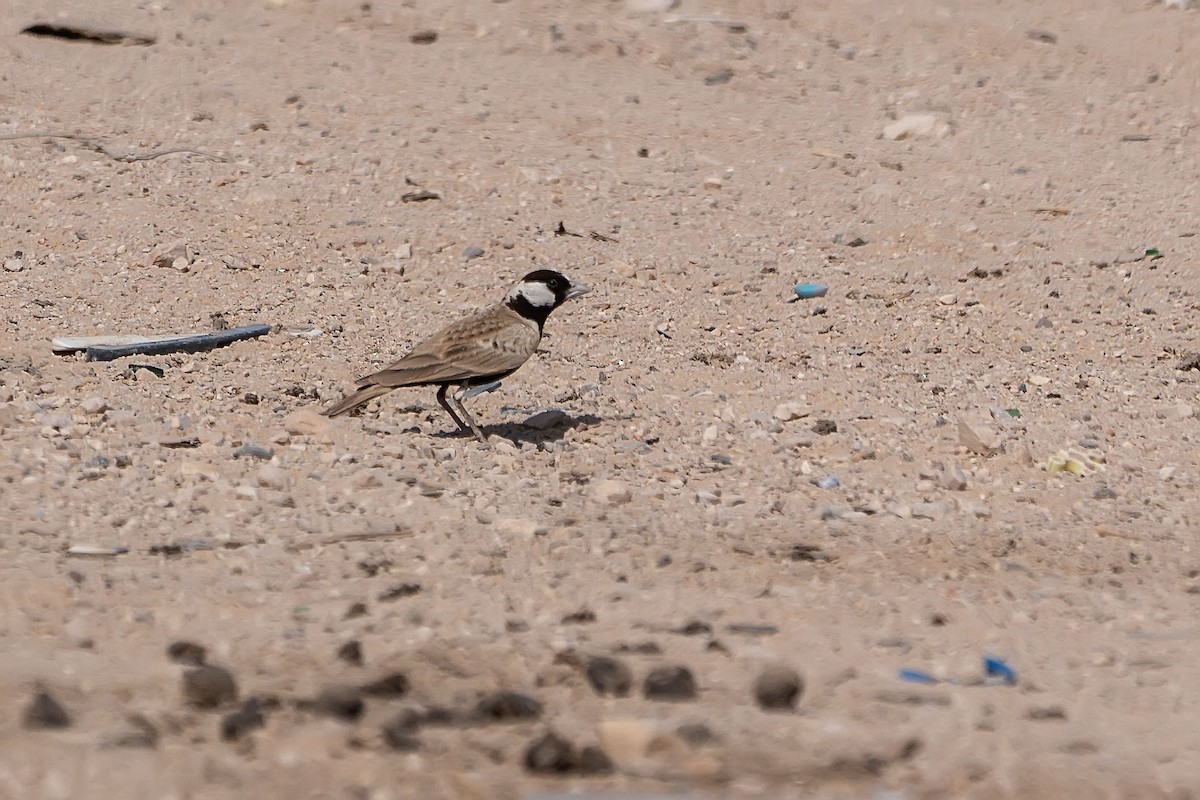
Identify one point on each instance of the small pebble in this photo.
(609, 676)
(507, 707)
(351, 653)
(13, 265)
(778, 688)
(45, 713)
(550, 754)
(254, 451)
(340, 701)
(473, 252)
(669, 683)
(400, 733)
(237, 724)
(209, 687)
(394, 684)
(184, 652)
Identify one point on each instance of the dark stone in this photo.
(696, 733)
(394, 684)
(45, 713)
(824, 427)
(400, 733)
(609, 677)
(695, 628)
(670, 683)
(399, 591)
(550, 754)
(340, 701)
(778, 688)
(580, 617)
(507, 707)
(351, 653)
(238, 723)
(209, 687)
(593, 761)
(356, 610)
(184, 652)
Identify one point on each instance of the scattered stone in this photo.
(424, 37)
(550, 754)
(1189, 361)
(254, 451)
(45, 713)
(752, 628)
(581, 617)
(208, 686)
(175, 255)
(609, 676)
(916, 126)
(778, 688)
(237, 724)
(1043, 713)
(952, 477)
(1041, 35)
(507, 707)
(270, 476)
(400, 733)
(669, 683)
(399, 591)
(977, 437)
(696, 734)
(930, 511)
(185, 652)
(351, 653)
(948, 299)
(545, 420)
(612, 492)
(824, 427)
(394, 684)
(1183, 411)
(13, 265)
(473, 252)
(94, 405)
(305, 422)
(719, 77)
(340, 701)
(791, 410)
(1104, 493)
(593, 761)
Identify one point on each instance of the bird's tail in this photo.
(353, 401)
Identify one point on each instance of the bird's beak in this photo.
(577, 289)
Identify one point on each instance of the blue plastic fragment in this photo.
(807, 291)
(916, 676)
(997, 668)
(829, 482)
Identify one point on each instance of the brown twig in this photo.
(99, 147)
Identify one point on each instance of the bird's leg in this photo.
(457, 400)
(441, 398)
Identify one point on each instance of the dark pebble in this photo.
(190, 653)
(507, 707)
(45, 712)
(254, 451)
(400, 590)
(695, 628)
(593, 761)
(400, 733)
(340, 701)
(238, 723)
(608, 676)
(580, 617)
(669, 683)
(696, 733)
(424, 37)
(209, 687)
(778, 688)
(356, 610)
(351, 653)
(394, 684)
(719, 77)
(550, 754)
(824, 427)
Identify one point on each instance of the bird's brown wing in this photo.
(493, 342)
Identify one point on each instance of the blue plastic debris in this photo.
(916, 676)
(807, 291)
(997, 668)
(829, 482)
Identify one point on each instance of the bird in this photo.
(474, 352)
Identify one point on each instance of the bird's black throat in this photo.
(529, 311)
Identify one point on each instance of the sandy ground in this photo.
(991, 302)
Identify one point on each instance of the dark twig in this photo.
(99, 147)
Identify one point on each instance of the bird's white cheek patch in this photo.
(536, 294)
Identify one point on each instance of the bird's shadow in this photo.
(517, 433)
